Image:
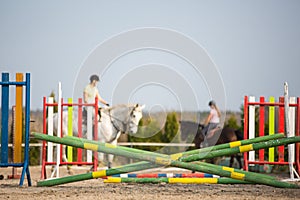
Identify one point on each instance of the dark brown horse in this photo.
(194, 131)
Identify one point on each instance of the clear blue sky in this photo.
(255, 46)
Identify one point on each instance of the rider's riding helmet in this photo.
(94, 77)
(212, 103)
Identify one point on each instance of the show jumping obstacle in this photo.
(91, 132)
(16, 160)
(156, 159)
(272, 113)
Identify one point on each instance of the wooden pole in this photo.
(19, 122)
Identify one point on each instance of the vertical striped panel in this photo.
(70, 128)
(297, 132)
(251, 126)
(95, 136)
(50, 131)
(4, 118)
(27, 131)
(79, 150)
(59, 128)
(246, 118)
(292, 117)
(281, 129)
(271, 127)
(89, 131)
(44, 148)
(261, 126)
(17, 149)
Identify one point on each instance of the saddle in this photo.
(84, 115)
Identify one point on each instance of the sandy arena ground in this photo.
(96, 189)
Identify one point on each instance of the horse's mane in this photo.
(188, 128)
(118, 106)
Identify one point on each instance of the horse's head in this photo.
(135, 117)
(201, 126)
(192, 129)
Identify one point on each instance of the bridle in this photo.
(125, 125)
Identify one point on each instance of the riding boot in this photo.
(84, 116)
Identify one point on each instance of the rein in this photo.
(112, 118)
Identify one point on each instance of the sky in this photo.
(168, 55)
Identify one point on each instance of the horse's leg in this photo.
(64, 156)
(111, 156)
(110, 160)
(65, 159)
(238, 157)
(64, 148)
(231, 160)
(204, 142)
(100, 158)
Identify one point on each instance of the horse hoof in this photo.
(203, 145)
(70, 172)
(109, 165)
(92, 169)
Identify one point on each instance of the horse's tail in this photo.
(239, 134)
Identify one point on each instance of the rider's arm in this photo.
(85, 97)
(101, 99)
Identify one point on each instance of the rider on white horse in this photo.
(114, 120)
(91, 92)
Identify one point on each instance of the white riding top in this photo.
(91, 93)
(215, 118)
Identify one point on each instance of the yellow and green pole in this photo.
(168, 160)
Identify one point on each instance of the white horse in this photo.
(112, 121)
